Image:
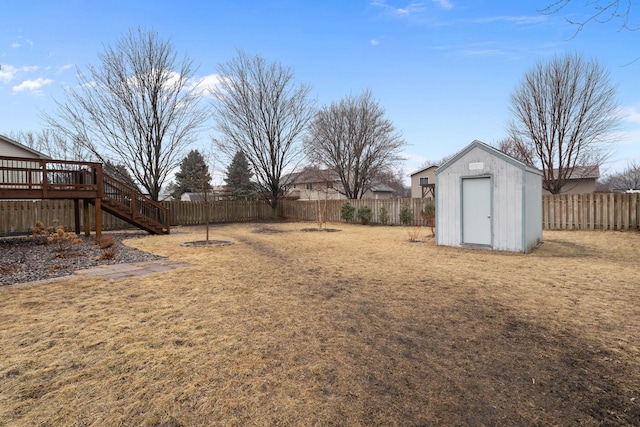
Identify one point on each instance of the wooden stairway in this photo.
(124, 202)
(25, 178)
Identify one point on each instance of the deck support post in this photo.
(87, 217)
(98, 202)
(76, 215)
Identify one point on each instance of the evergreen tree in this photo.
(193, 176)
(121, 173)
(239, 177)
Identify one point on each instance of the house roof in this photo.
(379, 187)
(424, 169)
(583, 172)
(493, 151)
(310, 175)
(23, 147)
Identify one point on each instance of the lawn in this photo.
(348, 328)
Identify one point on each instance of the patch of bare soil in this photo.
(355, 328)
(205, 243)
(327, 230)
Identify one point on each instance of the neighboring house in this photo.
(218, 192)
(423, 183)
(10, 170)
(321, 184)
(11, 148)
(379, 191)
(582, 180)
(312, 184)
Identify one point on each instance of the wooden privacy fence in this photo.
(19, 216)
(600, 211)
(193, 213)
(307, 210)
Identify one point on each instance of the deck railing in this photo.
(48, 175)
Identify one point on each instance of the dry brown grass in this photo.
(357, 327)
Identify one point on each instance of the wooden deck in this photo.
(23, 178)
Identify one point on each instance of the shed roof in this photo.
(491, 150)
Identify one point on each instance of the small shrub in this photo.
(364, 215)
(406, 214)
(105, 242)
(109, 253)
(429, 215)
(54, 233)
(347, 211)
(414, 233)
(383, 215)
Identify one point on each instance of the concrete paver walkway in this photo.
(123, 271)
(115, 271)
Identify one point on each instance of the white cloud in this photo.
(518, 20)
(482, 52)
(374, 42)
(207, 83)
(410, 9)
(445, 4)
(19, 44)
(33, 86)
(7, 72)
(631, 114)
(65, 67)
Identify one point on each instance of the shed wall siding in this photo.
(533, 214)
(507, 199)
(448, 229)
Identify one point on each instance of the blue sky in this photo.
(442, 69)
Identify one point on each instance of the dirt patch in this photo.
(328, 230)
(269, 230)
(354, 328)
(207, 243)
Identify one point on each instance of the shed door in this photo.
(476, 211)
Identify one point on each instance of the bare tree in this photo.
(353, 138)
(138, 107)
(395, 180)
(565, 111)
(517, 149)
(628, 179)
(603, 11)
(54, 143)
(260, 111)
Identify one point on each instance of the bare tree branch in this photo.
(352, 138)
(627, 180)
(260, 111)
(135, 108)
(564, 111)
(55, 144)
(603, 11)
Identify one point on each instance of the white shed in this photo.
(487, 199)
